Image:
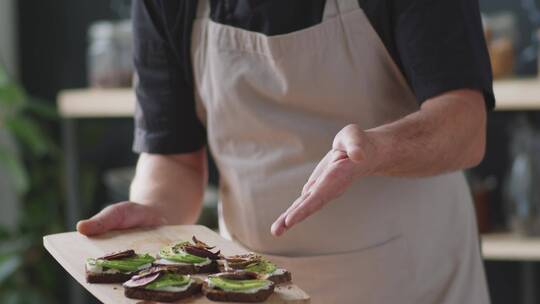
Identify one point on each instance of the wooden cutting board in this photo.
(71, 250)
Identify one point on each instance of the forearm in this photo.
(446, 134)
(172, 184)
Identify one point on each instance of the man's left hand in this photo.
(335, 172)
(448, 133)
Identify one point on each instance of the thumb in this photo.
(120, 216)
(353, 141)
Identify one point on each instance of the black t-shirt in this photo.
(438, 45)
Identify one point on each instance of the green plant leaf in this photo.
(9, 265)
(4, 79)
(12, 296)
(12, 97)
(24, 295)
(15, 245)
(28, 133)
(15, 170)
(27, 274)
(41, 108)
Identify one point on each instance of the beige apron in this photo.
(272, 106)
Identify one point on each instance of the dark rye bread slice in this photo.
(189, 269)
(140, 293)
(107, 278)
(219, 295)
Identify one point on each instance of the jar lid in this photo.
(101, 30)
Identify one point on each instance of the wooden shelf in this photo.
(510, 247)
(517, 94)
(96, 103)
(512, 95)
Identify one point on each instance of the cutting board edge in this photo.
(55, 253)
(74, 272)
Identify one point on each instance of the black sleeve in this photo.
(165, 117)
(441, 47)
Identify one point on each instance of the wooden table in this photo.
(517, 94)
(510, 247)
(96, 103)
(511, 94)
(513, 248)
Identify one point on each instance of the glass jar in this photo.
(501, 37)
(109, 54)
(522, 191)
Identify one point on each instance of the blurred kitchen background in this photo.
(66, 132)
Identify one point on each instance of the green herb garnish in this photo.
(262, 266)
(172, 249)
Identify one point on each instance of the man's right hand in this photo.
(169, 190)
(119, 216)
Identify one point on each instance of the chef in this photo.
(339, 129)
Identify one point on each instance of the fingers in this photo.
(120, 216)
(329, 179)
(283, 223)
(310, 205)
(332, 183)
(331, 157)
(279, 227)
(317, 172)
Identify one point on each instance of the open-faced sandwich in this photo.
(237, 286)
(161, 285)
(116, 267)
(258, 264)
(188, 258)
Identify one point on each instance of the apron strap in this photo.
(203, 9)
(334, 8)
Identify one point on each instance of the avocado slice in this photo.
(169, 280)
(238, 285)
(130, 264)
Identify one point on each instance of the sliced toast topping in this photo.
(118, 255)
(145, 278)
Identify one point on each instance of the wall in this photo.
(8, 51)
(8, 58)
